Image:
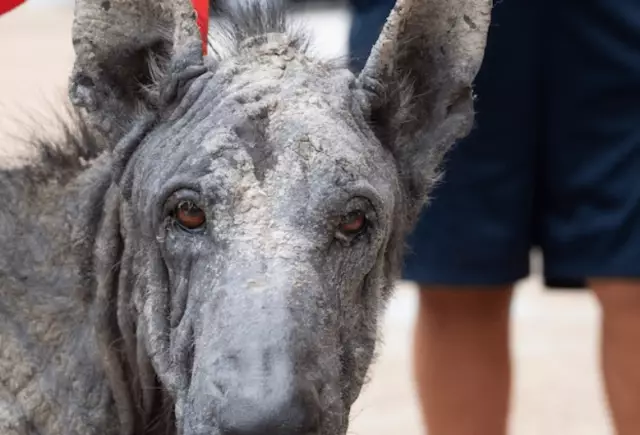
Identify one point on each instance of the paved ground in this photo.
(557, 390)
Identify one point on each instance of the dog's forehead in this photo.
(273, 67)
(292, 124)
(293, 112)
(292, 154)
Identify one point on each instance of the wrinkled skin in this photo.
(270, 289)
(119, 319)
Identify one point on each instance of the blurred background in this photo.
(557, 389)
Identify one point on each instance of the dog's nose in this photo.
(294, 413)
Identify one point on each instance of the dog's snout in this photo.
(294, 413)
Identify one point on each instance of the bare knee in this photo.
(465, 304)
(619, 298)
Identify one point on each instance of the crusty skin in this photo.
(114, 320)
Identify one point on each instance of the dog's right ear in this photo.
(120, 45)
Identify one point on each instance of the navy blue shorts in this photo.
(554, 159)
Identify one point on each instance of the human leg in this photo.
(591, 185)
(461, 359)
(620, 349)
(472, 242)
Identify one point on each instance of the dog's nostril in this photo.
(294, 414)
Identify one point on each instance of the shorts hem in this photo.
(464, 279)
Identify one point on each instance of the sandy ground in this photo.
(556, 388)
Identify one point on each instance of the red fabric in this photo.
(202, 10)
(7, 5)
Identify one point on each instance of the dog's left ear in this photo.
(420, 74)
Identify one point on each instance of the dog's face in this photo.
(261, 197)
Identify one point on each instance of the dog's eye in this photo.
(353, 223)
(189, 216)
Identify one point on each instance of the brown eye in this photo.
(189, 215)
(353, 223)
